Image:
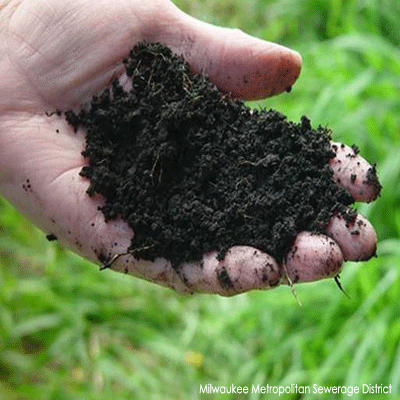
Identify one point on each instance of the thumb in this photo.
(238, 64)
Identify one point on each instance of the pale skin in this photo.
(56, 54)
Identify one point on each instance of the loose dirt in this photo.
(192, 171)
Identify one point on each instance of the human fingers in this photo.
(354, 234)
(349, 236)
(354, 238)
(243, 268)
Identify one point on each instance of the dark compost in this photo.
(192, 171)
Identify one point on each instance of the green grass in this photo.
(70, 332)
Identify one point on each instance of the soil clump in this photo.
(192, 171)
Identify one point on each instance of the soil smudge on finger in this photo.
(192, 171)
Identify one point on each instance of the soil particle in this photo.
(27, 186)
(269, 277)
(103, 257)
(373, 181)
(192, 171)
(51, 237)
(355, 149)
(224, 279)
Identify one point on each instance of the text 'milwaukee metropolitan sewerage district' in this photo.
(364, 388)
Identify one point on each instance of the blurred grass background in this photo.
(70, 332)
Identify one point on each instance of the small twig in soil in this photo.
(247, 163)
(154, 168)
(114, 258)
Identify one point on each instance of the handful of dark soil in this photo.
(193, 171)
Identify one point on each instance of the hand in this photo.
(56, 55)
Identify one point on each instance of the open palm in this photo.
(56, 55)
